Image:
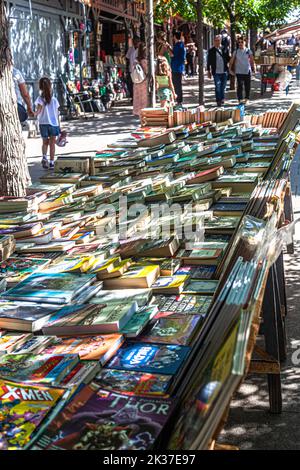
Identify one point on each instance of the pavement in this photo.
(250, 424)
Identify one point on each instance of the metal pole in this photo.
(150, 52)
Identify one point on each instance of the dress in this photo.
(140, 95)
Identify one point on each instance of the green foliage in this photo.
(247, 13)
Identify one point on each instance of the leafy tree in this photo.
(13, 166)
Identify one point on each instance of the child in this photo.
(47, 115)
(164, 84)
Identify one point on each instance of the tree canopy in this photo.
(248, 13)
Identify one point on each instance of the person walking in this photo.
(242, 64)
(164, 84)
(131, 57)
(47, 115)
(217, 67)
(22, 96)
(178, 65)
(190, 59)
(163, 48)
(140, 92)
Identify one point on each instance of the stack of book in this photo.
(127, 280)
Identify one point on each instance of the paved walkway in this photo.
(250, 425)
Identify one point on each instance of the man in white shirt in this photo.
(241, 65)
(22, 95)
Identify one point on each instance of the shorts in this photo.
(164, 94)
(47, 130)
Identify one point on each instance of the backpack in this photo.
(137, 74)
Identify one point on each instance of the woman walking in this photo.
(140, 94)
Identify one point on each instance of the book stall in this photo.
(137, 281)
(276, 62)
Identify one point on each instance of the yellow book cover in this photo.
(167, 282)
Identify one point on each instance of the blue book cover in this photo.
(50, 288)
(153, 358)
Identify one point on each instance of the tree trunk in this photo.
(13, 165)
(200, 50)
(253, 38)
(150, 52)
(232, 20)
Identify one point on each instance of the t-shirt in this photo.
(49, 113)
(131, 56)
(242, 64)
(18, 80)
(219, 61)
(178, 59)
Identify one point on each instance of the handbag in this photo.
(137, 74)
(22, 113)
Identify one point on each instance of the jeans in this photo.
(220, 86)
(243, 81)
(177, 82)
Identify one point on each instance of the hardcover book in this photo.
(153, 358)
(196, 286)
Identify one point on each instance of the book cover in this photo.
(30, 368)
(82, 372)
(172, 284)
(133, 383)
(141, 296)
(17, 269)
(173, 330)
(195, 286)
(198, 272)
(94, 347)
(138, 321)
(98, 420)
(10, 341)
(163, 359)
(22, 409)
(50, 288)
(183, 304)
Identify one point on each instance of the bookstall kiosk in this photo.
(250, 298)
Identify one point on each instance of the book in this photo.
(83, 372)
(23, 409)
(98, 419)
(206, 175)
(20, 231)
(50, 288)
(138, 321)
(10, 341)
(117, 296)
(183, 304)
(91, 319)
(159, 248)
(163, 359)
(135, 277)
(169, 284)
(88, 348)
(201, 271)
(196, 286)
(167, 266)
(116, 271)
(133, 383)
(200, 256)
(228, 209)
(17, 269)
(34, 345)
(31, 368)
(172, 329)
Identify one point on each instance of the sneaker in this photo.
(51, 165)
(45, 162)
